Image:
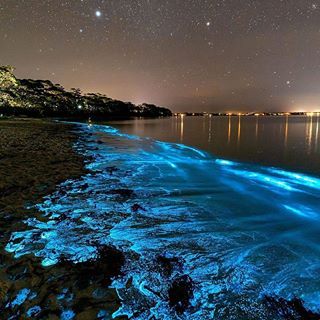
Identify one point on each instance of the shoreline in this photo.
(35, 157)
(69, 287)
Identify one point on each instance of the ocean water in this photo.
(240, 231)
(290, 142)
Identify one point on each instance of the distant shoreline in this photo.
(43, 99)
(248, 114)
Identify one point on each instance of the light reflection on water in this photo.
(242, 231)
(288, 141)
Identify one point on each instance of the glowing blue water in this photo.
(242, 231)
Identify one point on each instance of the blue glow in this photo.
(67, 315)
(20, 298)
(304, 211)
(225, 162)
(33, 311)
(268, 180)
(298, 179)
(239, 229)
(102, 314)
(199, 152)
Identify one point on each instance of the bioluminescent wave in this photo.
(240, 232)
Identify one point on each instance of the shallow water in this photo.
(240, 231)
(288, 142)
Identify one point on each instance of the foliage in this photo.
(42, 98)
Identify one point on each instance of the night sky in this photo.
(189, 55)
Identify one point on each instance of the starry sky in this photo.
(189, 55)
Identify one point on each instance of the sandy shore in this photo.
(35, 156)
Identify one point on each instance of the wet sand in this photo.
(35, 156)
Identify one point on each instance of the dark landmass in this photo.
(42, 98)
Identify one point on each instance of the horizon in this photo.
(225, 111)
(214, 56)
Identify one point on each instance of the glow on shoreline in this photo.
(298, 178)
(225, 162)
(232, 224)
(304, 211)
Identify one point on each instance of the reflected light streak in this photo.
(239, 131)
(229, 130)
(210, 130)
(257, 127)
(181, 128)
(286, 129)
(310, 132)
(317, 134)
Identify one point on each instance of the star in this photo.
(208, 24)
(98, 13)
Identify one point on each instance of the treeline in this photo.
(42, 98)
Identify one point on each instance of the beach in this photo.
(36, 156)
(101, 224)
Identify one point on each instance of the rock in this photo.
(62, 217)
(180, 293)
(101, 270)
(111, 169)
(167, 265)
(84, 186)
(136, 207)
